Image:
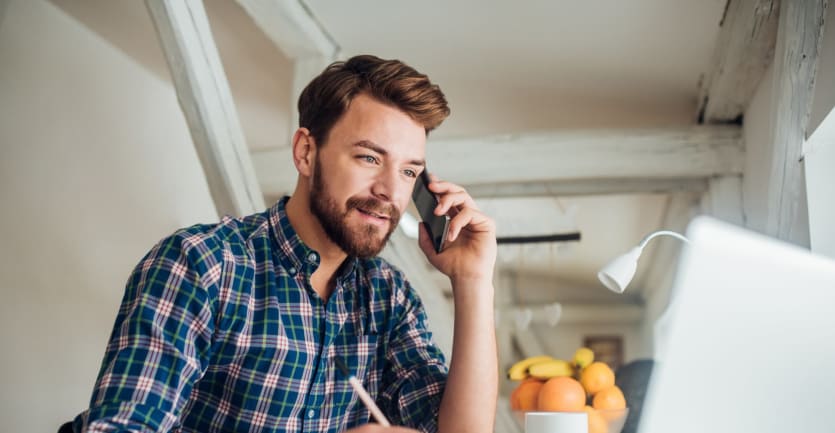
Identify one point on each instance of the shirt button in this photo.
(292, 271)
(312, 257)
(311, 413)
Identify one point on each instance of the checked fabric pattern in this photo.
(220, 331)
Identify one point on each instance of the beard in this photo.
(363, 241)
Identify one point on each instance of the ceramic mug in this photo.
(556, 422)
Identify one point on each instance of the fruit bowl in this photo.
(600, 421)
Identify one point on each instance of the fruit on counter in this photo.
(583, 357)
(608, 399)
(597, 423)
(519, 370)
(525, 396)
(597, 376)
(561, 394)
(550, 368)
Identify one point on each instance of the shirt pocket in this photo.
(359, 353)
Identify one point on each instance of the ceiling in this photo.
(506, 67)
(517, 67)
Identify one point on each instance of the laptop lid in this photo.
(750, 339)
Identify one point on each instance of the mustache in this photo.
(371, 204)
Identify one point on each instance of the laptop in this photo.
(749, 339)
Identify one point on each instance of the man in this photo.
(235, 326)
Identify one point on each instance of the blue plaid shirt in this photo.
(220, 331)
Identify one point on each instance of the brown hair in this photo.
(393, 82)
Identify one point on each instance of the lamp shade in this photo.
(617, 274)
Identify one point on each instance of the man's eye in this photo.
(409, 172)
(368, 158)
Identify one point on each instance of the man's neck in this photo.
(310, 231)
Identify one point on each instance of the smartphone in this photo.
(426, 202)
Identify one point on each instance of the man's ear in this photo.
(304, 151)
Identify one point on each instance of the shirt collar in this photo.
(295, 254)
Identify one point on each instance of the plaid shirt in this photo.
(220, 331)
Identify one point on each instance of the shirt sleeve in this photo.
(160, 344)
(416, 372)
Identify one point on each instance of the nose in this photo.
(388, 185)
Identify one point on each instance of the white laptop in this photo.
(749, 343)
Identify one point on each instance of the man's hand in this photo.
(469, 254)
(377, 428)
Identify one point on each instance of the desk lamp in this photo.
(617, 274)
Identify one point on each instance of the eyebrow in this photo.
(377, 148)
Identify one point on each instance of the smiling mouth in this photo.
(373, 214)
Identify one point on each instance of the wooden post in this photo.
(723, 199)
(744, 50)
(206, 101)
(799, 37)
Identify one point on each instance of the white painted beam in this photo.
(571, 187)
(575, 314)
(799, 38)
(744, 50)
(292, 27)
(206, 101)
(723, 200)
(560, 156)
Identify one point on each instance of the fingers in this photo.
(470, 219)
(450, 196)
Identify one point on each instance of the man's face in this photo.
(363, 177)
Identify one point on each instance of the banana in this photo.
(519, 370)
(583, 357)
(551, 368)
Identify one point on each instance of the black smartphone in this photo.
(426, 202)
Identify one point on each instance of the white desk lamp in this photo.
(619, 272)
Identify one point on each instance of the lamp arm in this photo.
(648, 237)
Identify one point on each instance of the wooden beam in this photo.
(799, 38)
(292, 28)
(574, 314)
(571, 187)
(744, 50)
(585, 156)
(724, 199)
(206, 101)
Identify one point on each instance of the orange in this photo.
(514, 398)
(597, 424)
(610, 398)
(562, 394)
(597, 376)
(525, 396)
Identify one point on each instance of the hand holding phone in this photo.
(426, 202)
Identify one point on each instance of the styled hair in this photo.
(392, 82)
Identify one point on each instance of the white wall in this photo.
(96, 166)
(562, 340)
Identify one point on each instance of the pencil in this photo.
(363, 394)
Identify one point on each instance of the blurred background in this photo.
(610, 119)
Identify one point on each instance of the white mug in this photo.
(556, 422)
